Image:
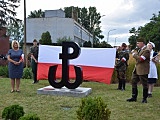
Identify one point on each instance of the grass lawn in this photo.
(49, 107)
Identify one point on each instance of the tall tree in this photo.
(89, 19)
(150, 31)
(36, 14)
(132, 39)
(7, 11)
(16, 31)
(45, 39)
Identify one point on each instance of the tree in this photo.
(36, 14)
(132, 39)
(150, 31)
(87, 44)
(45, 39)
(60, 40)
(7, 11)
(89, 19)
(16, 31)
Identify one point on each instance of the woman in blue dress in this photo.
(15, 65)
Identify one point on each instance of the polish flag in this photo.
(97, 63)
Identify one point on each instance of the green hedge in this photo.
(93, 109)
(4, 71)
(13, 112)
(27, 72)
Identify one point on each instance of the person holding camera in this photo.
(122, 57)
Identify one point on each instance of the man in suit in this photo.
(141, 70)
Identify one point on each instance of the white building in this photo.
(58, 26)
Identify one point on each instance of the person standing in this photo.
(141, 70)
(34, 60)
(152, 76)
(122, 57)
(15, 65)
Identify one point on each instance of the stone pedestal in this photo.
(78, 92)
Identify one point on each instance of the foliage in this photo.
(45, 39)
(158, 71)
(30, 117)
(16, 30)
(7, 11)
(150, 31)
(93, 109)
(102, 44)
(27, 73)
(88, 18)
(37, 14)
(4, 71)
(13, 112)
(87, 44)
(60, 40)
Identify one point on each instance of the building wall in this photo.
(54, 13)
(57, 27)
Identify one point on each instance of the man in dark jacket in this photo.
(34, 60)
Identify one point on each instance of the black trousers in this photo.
(34, 70)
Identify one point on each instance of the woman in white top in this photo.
(152, 76)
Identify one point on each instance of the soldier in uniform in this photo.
(34, 60)
(141, 70)
(122, 56)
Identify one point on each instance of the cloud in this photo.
(121, 15)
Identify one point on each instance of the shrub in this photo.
(27, 73)
(45, 39)
(4, 71)
(13, 112)
(30, 117)
(93, 109)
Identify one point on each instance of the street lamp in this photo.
(115, 41)
(108, 34)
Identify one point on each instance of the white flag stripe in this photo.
(98, 57)
(49, 54)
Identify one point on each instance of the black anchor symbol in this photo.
(65, 56)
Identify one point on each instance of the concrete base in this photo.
(78, 92)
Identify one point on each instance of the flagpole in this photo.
(25, 52)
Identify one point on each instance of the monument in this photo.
(65, 86)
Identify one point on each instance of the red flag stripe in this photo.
(97, 74)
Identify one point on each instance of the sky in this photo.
(119, 16)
